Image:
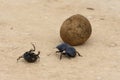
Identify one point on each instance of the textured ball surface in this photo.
(75, 30)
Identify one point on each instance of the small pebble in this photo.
(102, 19)
(90, 8)
(11, 28)
(48, 54)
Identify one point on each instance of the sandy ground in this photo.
(39, 21)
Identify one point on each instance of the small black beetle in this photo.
(30, 56)
(69, 50)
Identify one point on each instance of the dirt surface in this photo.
(39, 21)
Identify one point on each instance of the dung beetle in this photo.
(30, 56)
(67, 50)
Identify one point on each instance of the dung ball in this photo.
(75, 30)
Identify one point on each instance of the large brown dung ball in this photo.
(75, 30)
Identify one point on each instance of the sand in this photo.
(39, 21)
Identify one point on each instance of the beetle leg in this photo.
(38, 58)
(19, 57)
(38, 53)
(61, 56)
(78, 53)
(33, 48)
(57, 51)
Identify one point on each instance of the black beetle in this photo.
(67, 50)
(30, 56)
